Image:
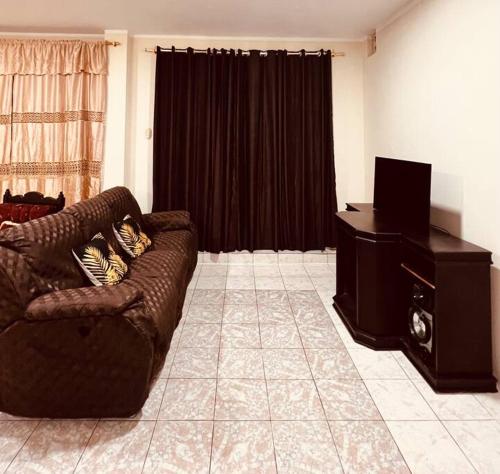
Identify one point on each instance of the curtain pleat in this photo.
(245, 143)
(57, 94)
(6, 98)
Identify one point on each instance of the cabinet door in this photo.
(346, 263)
(378, 293)
(462, 319)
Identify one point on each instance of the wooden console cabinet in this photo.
(378, 268)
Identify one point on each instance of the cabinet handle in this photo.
(416, 275)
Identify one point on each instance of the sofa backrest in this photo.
(57, 234)
(122, 202)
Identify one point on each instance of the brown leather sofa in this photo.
(69, 349)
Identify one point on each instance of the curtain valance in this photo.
(43, 57)
(52, 112)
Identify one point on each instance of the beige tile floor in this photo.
(263, 377)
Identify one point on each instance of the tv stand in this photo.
(383, 272)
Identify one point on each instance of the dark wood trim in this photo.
(35, 198)
(384, 272)
(443, 383)
(378, 343)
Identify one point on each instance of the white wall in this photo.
(432, 94)
(116, 111)
(348, 108)
(128, 153)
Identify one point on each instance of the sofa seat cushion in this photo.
(161, 299)
(160, 302)
(157, 263)
(161, 277)
(180, 241)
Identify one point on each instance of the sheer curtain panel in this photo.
(52, 106)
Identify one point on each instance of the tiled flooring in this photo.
(263, 377)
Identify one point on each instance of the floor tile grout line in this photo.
(316, 387)
(490, 412)
(414, 382)
(458, 444)
(178, 341)
(156, 421)
(347, 352)
(86, 445)
(170, 368)
(365, 420)
(444, 426)
(152, 433)
(267, 388)
(280, 378)
(116, 420)
(385, 422)
(408, 376)
(24, 444)
(372, 399)
(216, 383)
(414, 385)
(273, 348)
(355, 366)
(388, 427)
(425, 421)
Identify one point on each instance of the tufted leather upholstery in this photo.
(83, 302)
(68, 349)
(167, 220)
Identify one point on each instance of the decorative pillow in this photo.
(101, 264)
(130, 236)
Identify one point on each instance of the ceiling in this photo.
(349, 19)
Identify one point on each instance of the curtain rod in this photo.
(112, 43)
(246, 52)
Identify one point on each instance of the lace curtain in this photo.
(52, 105)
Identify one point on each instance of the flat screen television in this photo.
(403, 192)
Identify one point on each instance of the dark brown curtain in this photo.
(245, 143)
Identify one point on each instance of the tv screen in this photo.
(403, 192)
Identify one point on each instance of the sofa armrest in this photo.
(83, 302)
(167, 220)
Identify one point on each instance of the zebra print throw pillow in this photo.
(100, 263)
